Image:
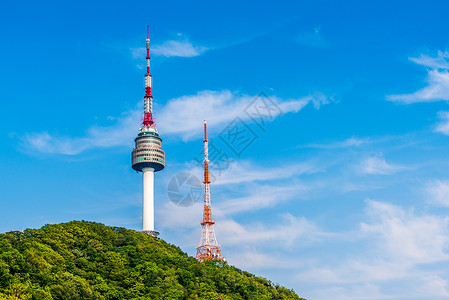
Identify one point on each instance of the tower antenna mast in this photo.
(208, 247)
(148, 98)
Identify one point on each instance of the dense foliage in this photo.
(86, 260)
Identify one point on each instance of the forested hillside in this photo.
(87, 260)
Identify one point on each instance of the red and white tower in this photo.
(208, 247)
(148, 156)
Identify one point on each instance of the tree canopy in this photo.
(88, 260)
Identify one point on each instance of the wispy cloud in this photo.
(366, 291)
(405, 236)
(439, 192)
(244, 171)
(118, 134)
(312, 39)
(389, 246)
(247, 244)
(438, 62)
(181, 116)
(284, 233)
(349, 142)
(170, 48)
(252, 258)
(395, 246)
(183, 48)
(255, 191)
(443, 125)
(173, 216)
(378, 165)
(434, 285)
(437, 88)
(260, 196)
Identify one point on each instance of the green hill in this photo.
(87, 260)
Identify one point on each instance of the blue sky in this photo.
(341, 193)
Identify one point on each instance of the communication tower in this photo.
(147, 156)
(208, 247)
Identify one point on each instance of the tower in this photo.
(147, 156)
(208, 247)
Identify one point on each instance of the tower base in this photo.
(151, 232)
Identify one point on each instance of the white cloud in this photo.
(251, 196)
(357, 269)
(242, 240)
(437, 88)
(171, 48)
(259, 196)
(378, 165)
(138, 52)
(366, 291)
(404, 236)
(178, 48)
(349, 142)
(394, 248)
(181, 116)
(119, 134)
(443, 126)
(434, 285)
(439, 191)
(244, 171)
(184, 114)
(253, 258)
(312, 39)
(438, 62)
(247, 244)
(172, 216)
(281, 234)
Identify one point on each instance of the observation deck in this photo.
(147, 152)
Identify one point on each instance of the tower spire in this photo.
(148, 98)
(208, 247)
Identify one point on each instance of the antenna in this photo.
(148, 98)
(208, 247)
